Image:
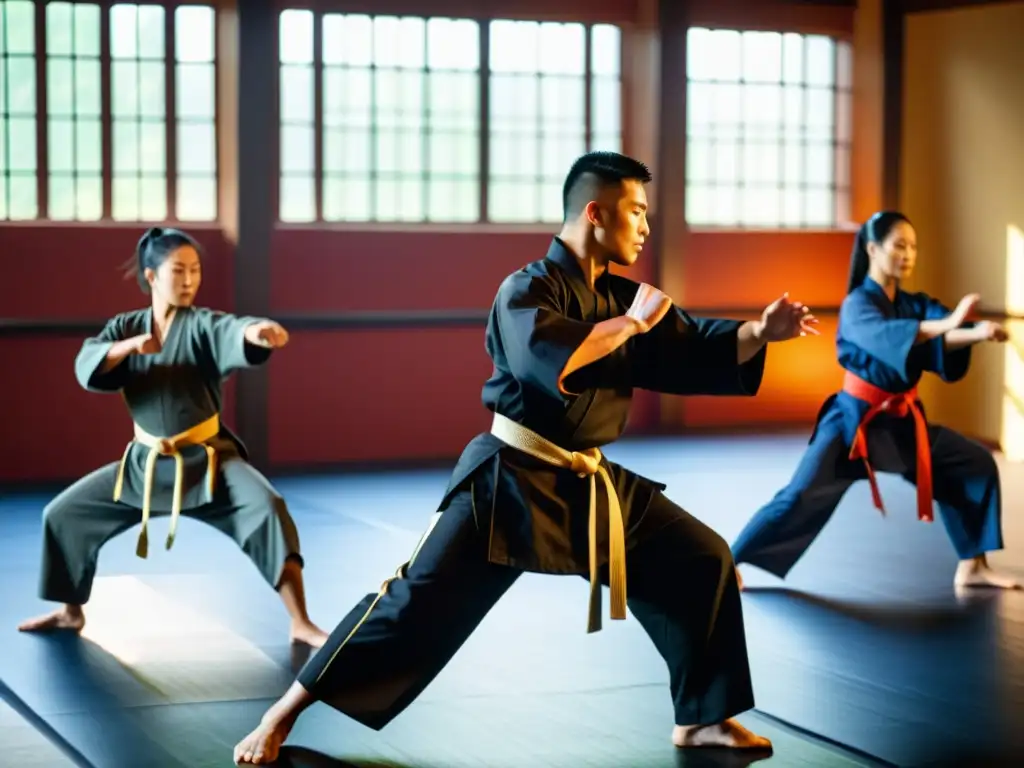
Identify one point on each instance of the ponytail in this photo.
(874, 230)
(153, 248)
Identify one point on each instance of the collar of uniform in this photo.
(560, 254)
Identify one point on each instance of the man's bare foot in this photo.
(729, 734)
(309, 633)
(69, 618)
(263, 745)
(974, 573)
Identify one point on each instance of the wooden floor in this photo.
(865, 656)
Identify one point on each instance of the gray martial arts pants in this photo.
(78, 522)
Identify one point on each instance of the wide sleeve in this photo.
(949, 364)
(537, 336)
(684, 355)
(864, 325)
(92, 356)
(224, 334)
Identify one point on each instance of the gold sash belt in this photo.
(585, 464)
(169, 446)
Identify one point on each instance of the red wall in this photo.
(369, 395)
(389, 394)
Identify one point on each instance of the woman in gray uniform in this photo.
(168, 361)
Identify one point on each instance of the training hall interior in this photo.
(366, 174)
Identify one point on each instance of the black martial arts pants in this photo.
(681, 588)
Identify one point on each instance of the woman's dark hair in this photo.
(874, 230)
(155, 245)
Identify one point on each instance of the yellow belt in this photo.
(169, 446)
(585, 464)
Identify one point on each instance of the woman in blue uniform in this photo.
(887, 339)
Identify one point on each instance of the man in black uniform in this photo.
(569, 341)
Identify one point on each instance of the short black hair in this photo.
(594, 170)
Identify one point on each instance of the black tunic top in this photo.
(537, 513)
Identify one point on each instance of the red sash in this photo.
(899, 405)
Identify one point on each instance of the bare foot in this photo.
(972, 573)
(69, 619)
(309, 633)
(261, 747)
(729, 734)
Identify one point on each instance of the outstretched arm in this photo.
(240, 342)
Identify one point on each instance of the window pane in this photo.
(820, 118)
(295, 33)
(60, 38)
(793, 67)
(457, 201)
(844, 117)
(513, 102)
(761, 163)
(197, 199)
(562, 49)
(194, 91)
(125, 198)
(605, 49)
(21, 86)
(197, 148)
(551, 208)
(152, 91)
(87, 30)
(59, 87)
(512, 201)
(844, 65)
(60, 137)
(124, 84)
(296, 149)
(725, 162)
(563, 102)
(762, 57)
(296, 94)
(152, 32)
(61, 203)
(453, 44)
(194, 33)
(559, 151)
(125, 137)
(153, 148)
(21, 27)
(22, 144)
(606, 106)
(23, 203)
(347, 199)
(347, 151)
(347, 39)
(514, 46)
(820, 207)
(760, 205)
(700, 99)
(123, 31)
(347, 97)
(399, 42)
(714, 55)
(792, 207)
(87, 87)
(453, 100)
(89, 197)
(89, 146)
(153, 202)
(821, 61)
(725, 206)
(698, 205)
(608, 142)
(818, 164)
(297, 202)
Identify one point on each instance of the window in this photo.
(540, 119)
(158, 103)
(73, 107)
(768, 129)
(400, 121)
(195, 77)
(382, 118)
(18, 195)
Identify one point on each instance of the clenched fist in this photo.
(266, 333)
